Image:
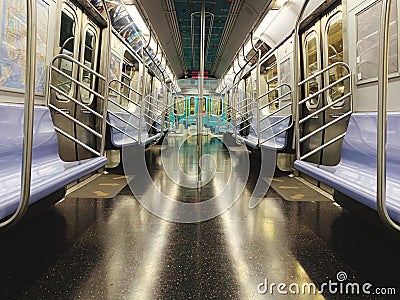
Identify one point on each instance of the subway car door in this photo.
(312, 63)
(89, 53)
(322, 45)
(333, 51)
(78, 38)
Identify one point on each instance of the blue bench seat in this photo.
(49, 172)
(277, 143)
(355, 175)
(119, 139)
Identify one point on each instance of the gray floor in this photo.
(116, 249)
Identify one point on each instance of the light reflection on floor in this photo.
(116, 249)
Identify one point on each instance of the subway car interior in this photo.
(199, 149)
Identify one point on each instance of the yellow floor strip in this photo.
(100, 193)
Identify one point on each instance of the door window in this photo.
(334, 51)
(179, 106)
(128, 72)
(216, 108)
(192, 105)
(312, 63)
(67, 42)
(89, 60)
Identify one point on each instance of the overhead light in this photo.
(138, 20)
(278, 4)
(270, 16)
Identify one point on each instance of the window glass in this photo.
(179, 106)
(204, 104)
(285, 74)
(368, 23)
(271, 79)
(312, 66)
(114, 75)
(334, 51)
(216, 107)
(67, 33)
(89, 61)
(128, 72)
(192, 105)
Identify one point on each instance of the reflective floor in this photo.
(116, 249)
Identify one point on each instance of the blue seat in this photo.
(355, 175)
(278, 143)
(119, 139)
(49, 172)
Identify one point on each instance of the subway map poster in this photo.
(13, 44)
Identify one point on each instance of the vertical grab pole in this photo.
(164, 106)
(143, 96)
(107, 55)
(296, 72)
(235, 97)
(382, 115)
(29, 106)
(200, 102)
(258, 93)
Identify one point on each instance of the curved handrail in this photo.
(73, 60)
(382, 115)
(339, 63)
(28, 115)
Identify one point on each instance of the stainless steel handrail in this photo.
(122, 131)
(124, 84)
(276, 123)
(383, 82)
(73, 60)
(123, 120)
(90, 149)
(76, 101)
(76, 121)
(276, 111)
(122, 107)
(123, 96)
(80, 84)
(155, 107)
(277, 99)
(334, 65)
(304, 138)
(322, 90)
(328, 87)
(102, 117)
(310, 116)
(29, 105)
(127, 123)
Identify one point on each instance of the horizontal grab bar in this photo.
(90, 149)
(346, 66)
(76, 121)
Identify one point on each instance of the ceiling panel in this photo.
(232, 20)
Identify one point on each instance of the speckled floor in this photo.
(116, 249)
